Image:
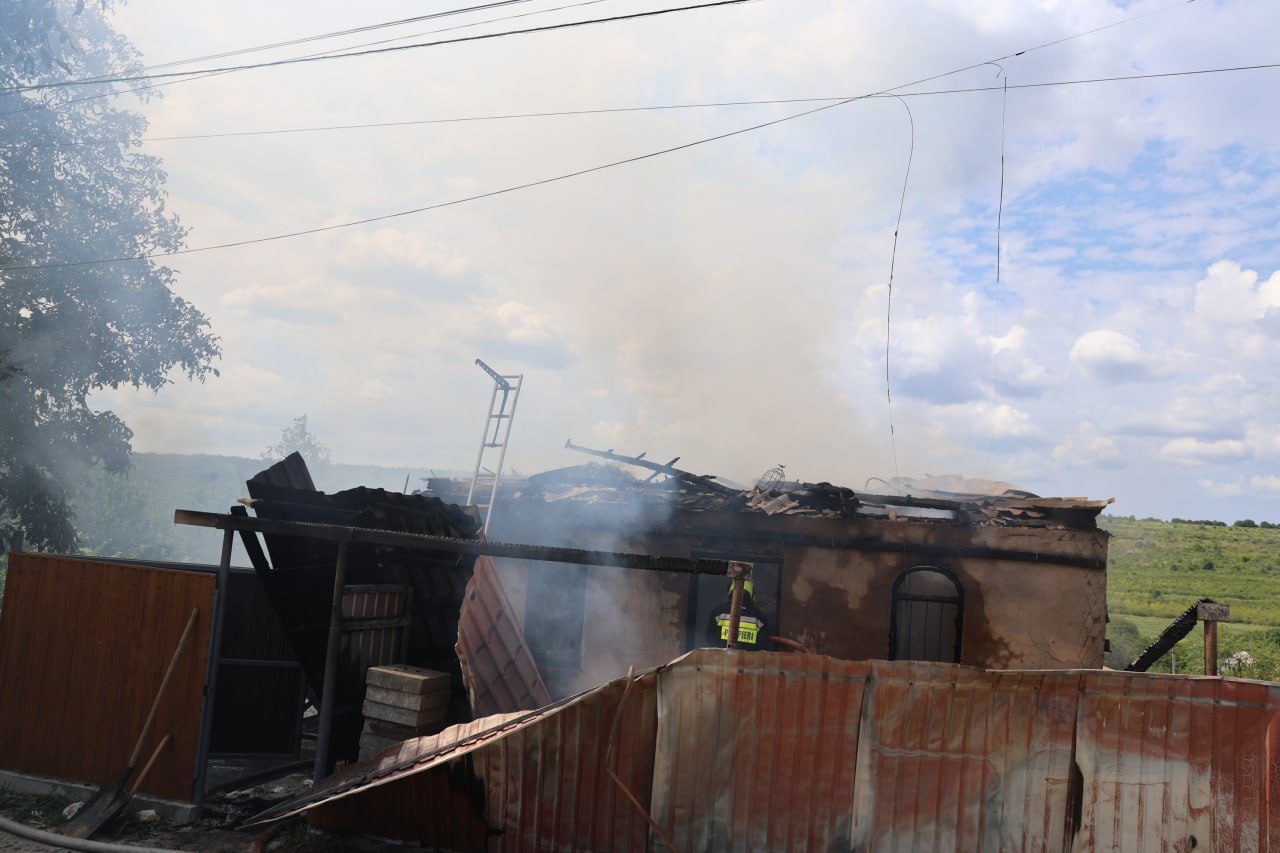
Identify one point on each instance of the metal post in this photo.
(330, 688)
(211, 669)
(741, 573)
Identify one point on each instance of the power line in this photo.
(375, 51)
(335, 34)
(689, 106)
(544, 181)
(116, 92)
(888, 309)
(477, 197)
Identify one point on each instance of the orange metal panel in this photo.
(546, 775)
(757, 751)
(956, 758)
(500, 672)
(83, 648)
(1176, 763)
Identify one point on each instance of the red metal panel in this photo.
(548, 786)
(955, 758)
(756, 751)
(501, 673)
(1175, 763)
(84, 646)
(545, 774)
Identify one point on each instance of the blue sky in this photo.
(727, 303)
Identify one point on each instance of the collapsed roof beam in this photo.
(478, 547)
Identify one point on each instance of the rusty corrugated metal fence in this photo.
(741, 751)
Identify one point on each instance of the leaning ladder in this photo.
(496, 436)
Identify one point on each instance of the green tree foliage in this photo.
(297, 438)
(74, 188)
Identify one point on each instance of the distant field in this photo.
(1158, 568)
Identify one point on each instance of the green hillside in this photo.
(1158, 568)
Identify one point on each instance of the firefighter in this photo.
(752, 626)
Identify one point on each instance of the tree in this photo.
(76, 190)
(297, 438)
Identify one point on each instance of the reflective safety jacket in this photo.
(752, 633)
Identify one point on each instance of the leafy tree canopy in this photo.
(297, 437)
(74, 188)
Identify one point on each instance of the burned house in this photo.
(1002, 581)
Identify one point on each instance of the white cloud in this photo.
(1255, 486)
(1087, 448)
(1110, 358)
(1193, 451)
(727, 303)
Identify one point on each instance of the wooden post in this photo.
(1211, 614)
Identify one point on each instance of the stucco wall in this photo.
(1030, 609)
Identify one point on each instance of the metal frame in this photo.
(509, 385)
(899, 596)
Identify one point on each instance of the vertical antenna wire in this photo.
(995, 391)
(888, 311)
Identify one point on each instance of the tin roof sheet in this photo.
(732, 750)
(500, 672)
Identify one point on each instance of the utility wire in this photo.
(372, 52)
(658, 107)
(888, 309)
(995, 322)
(478, 196)
(542, 182)
(136, 89)
(888, 302)
(335, 34)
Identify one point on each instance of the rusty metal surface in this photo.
(500, 671)
(956, 758)
(84, 645)
(546, 774)
(774, 751)
(757, 751)
(1176, 763)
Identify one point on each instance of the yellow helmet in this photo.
(749, 587)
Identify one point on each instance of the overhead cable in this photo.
(543, 181)
(658, 107)
(116, 92)
(372, 52)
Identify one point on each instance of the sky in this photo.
(730, 302)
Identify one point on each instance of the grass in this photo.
(1159, 568)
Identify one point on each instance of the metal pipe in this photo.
(477, 547)
(735, 614)
(741, 573)
(330, 688)
(211, 669)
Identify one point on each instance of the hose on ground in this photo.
(53, 839)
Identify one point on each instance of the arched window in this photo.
(927, 610)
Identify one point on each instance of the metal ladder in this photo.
(496, 435)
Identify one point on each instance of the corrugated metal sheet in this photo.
(84, 646)
(1179, 763)
(546, 774)
(757, 751)
(500, 672)
(955, 758)
(773, 751)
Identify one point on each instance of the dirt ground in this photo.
(215, 835)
